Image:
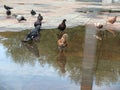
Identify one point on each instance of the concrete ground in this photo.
(54, 11)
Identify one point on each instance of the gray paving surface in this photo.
(54, 11)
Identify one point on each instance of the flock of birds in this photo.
(62, 37)
(62, 40)
(110, 20)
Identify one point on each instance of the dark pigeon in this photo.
(34, 33)
(8, 12)
(7, 7)
(38, 22)
(40, 17)
(33, 12)
(62, 26)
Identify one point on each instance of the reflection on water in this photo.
(34, 66)
(88, 62)
(32, 47)
(61, 61)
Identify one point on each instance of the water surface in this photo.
(40, 65)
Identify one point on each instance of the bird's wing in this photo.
(59, 26)
(18, 17)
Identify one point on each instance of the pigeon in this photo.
(7, 7)
(33, 34)
(40, 17)
(8, 13)
(112, 20)
(20, 17)
(62, 42)
(38, 22)
(33, 12)
(98, 25)
(62, 26)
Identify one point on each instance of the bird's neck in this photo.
(63, 22)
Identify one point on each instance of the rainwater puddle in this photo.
(40, 65)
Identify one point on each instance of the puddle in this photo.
(88, 9)
(34, 66)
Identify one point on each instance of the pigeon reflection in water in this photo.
(32, 47)
(61, 61)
